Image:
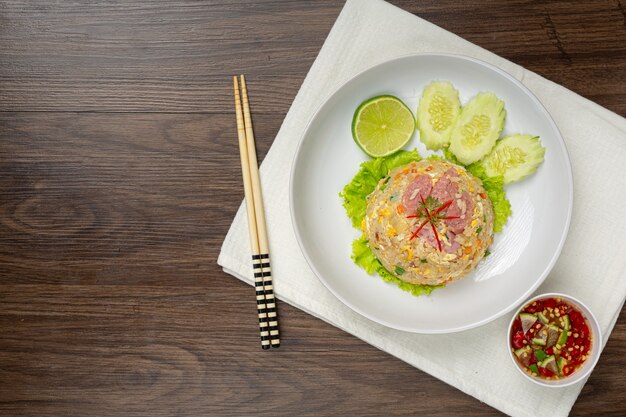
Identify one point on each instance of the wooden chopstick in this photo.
(266, 302)
(252, 226)
(266, 272)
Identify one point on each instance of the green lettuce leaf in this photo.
(355, 193)
(494, 186)
(450, 157)
(362, 256)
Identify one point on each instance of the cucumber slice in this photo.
(438, 109)
(519, 352)
(541, 337)
(566, 323)
(523, 354)
(543, 318)
(550, 364)
(527, 321)
(553, 334)
(539, 341)
(562, 338)
(534, 368)
(477, 128)
(560, 363)
(514, 157)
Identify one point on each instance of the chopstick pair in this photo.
(266, 303)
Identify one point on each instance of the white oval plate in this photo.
(521, 256)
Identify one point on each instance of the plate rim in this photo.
(547, 269)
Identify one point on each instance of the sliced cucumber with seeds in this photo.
(543, 318)
(562, 338)
(477, 128)
(514, 157)
(437, 112)
(566, 323)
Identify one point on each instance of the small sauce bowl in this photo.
(586, 367)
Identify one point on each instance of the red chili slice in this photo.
(518, 340)
(576, 317)
(517, 325)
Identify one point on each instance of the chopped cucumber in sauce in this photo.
(527, 321)
(566, 322)
(524, 354)
(550, 364)
(542, 337)
(543, 318)
(553, 335)
(560, 363)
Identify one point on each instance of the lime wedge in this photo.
(382, 125)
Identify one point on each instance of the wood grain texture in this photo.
(119, 179)
(177, 56)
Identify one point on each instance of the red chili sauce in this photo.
(550, 338)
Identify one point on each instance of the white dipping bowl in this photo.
(596, 344)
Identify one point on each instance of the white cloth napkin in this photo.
(592, 265)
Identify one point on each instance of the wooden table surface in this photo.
(119, 177)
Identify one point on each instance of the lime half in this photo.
(382, 125)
